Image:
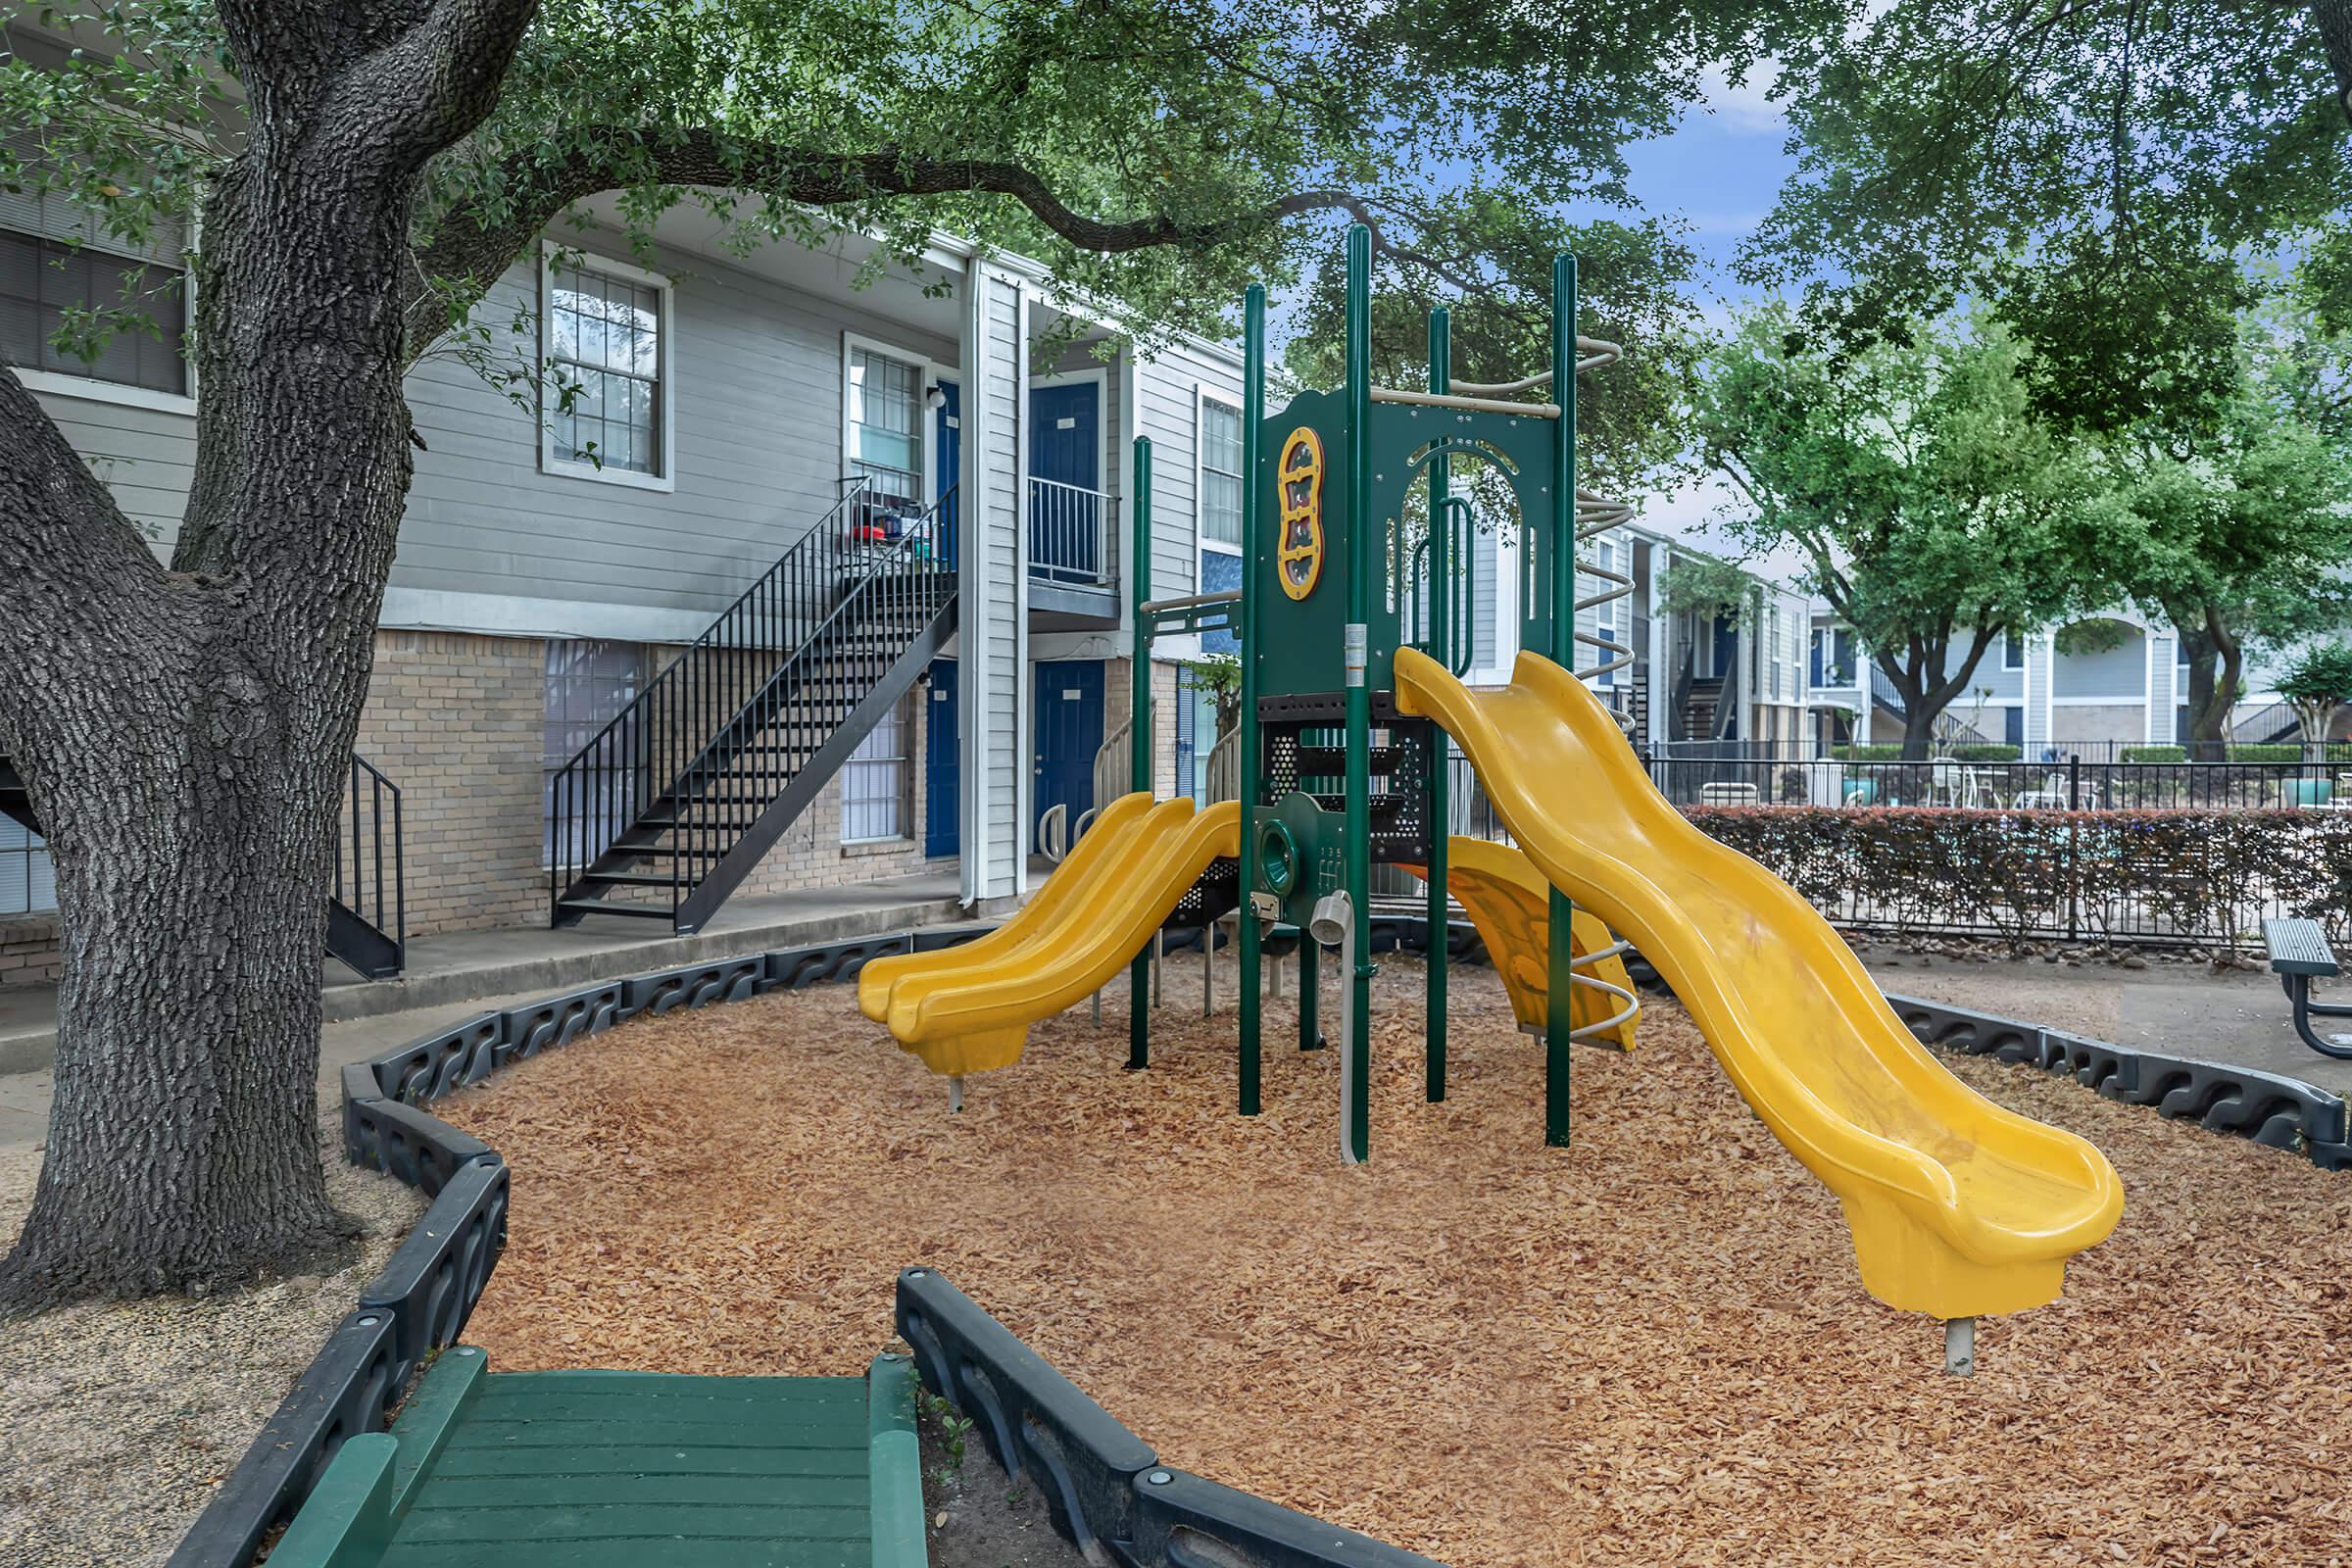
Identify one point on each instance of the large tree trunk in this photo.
(189, 827)
(1919, 717)
(2216, 666)
(184, 734)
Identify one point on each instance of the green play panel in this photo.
(647, 1469)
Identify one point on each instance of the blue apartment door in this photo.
(1068, 713)
(948, 444)
(1065, 459)
(943, 763)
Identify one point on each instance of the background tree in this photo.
(1933, 508)
(2237, 528)
(364, 169)
(2317, 681)
(2093, 171)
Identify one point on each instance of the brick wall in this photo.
(457, 721)
(28, 950)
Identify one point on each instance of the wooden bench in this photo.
(2299, 952)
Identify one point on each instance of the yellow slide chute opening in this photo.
(968, 1009)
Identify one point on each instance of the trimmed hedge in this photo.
(2200, 877)
(1985, 752)
(2266, 751)
(1867, 754)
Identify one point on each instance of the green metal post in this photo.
(1310, 993)
(1440, 630)
(1557, 1024)
(1254, 416)
(1139, 734)
(1355, 658)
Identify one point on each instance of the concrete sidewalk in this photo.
(469, 966)
(2183, 1009)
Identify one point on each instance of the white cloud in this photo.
(1744, 107)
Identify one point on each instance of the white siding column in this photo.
(2163, 672)
(2041, 658)
(994, 588)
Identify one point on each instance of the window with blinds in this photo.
(58, 263)
(873, 783)
(588, 681)
(886, 441)
(27, 883)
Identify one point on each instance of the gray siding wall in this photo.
(755, 391)
(1167, 409)
(2003, 683)
(995, 753)
(147, 457)
(756, 378)
(2119, 672)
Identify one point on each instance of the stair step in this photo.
(636, 879)
(644, 912)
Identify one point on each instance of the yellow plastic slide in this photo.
(968, 1009)
(1507, 898)
(1957, 1207)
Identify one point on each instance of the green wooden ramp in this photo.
(643, 1469)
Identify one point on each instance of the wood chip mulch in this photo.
(1651, 1348)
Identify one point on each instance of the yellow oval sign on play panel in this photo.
(1298, 549)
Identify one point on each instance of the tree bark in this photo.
(2216, 665)
(1924, 698)
(2333, 19)
(184, 733)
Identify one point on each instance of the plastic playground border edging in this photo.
(1104, 1485)
(418, 1305)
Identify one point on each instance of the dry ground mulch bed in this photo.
(1649, 1349)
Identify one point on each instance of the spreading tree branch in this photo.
(469, 253)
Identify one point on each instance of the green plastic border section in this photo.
(895, 1464)
(346, 1522)
(423, 1425)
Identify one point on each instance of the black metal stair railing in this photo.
(367, 913)
(670, 788)
(367, 903)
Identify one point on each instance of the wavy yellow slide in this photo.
(968, 1009)
(1507, 898)
(1957, 1206)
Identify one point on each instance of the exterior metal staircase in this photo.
(675, 801)
(367, 913)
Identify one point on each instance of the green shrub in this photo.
(2155, 754)
(1868, 754)
(2282, 752)
(1986, 751)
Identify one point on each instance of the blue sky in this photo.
(1720, 169)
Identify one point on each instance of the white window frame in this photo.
(929, 372)
(2007, 638)
(1202, 396)
(666, 383)
(95, 389)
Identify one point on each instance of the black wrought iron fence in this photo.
(2071, 783)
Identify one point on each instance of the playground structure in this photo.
(1350, 690)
